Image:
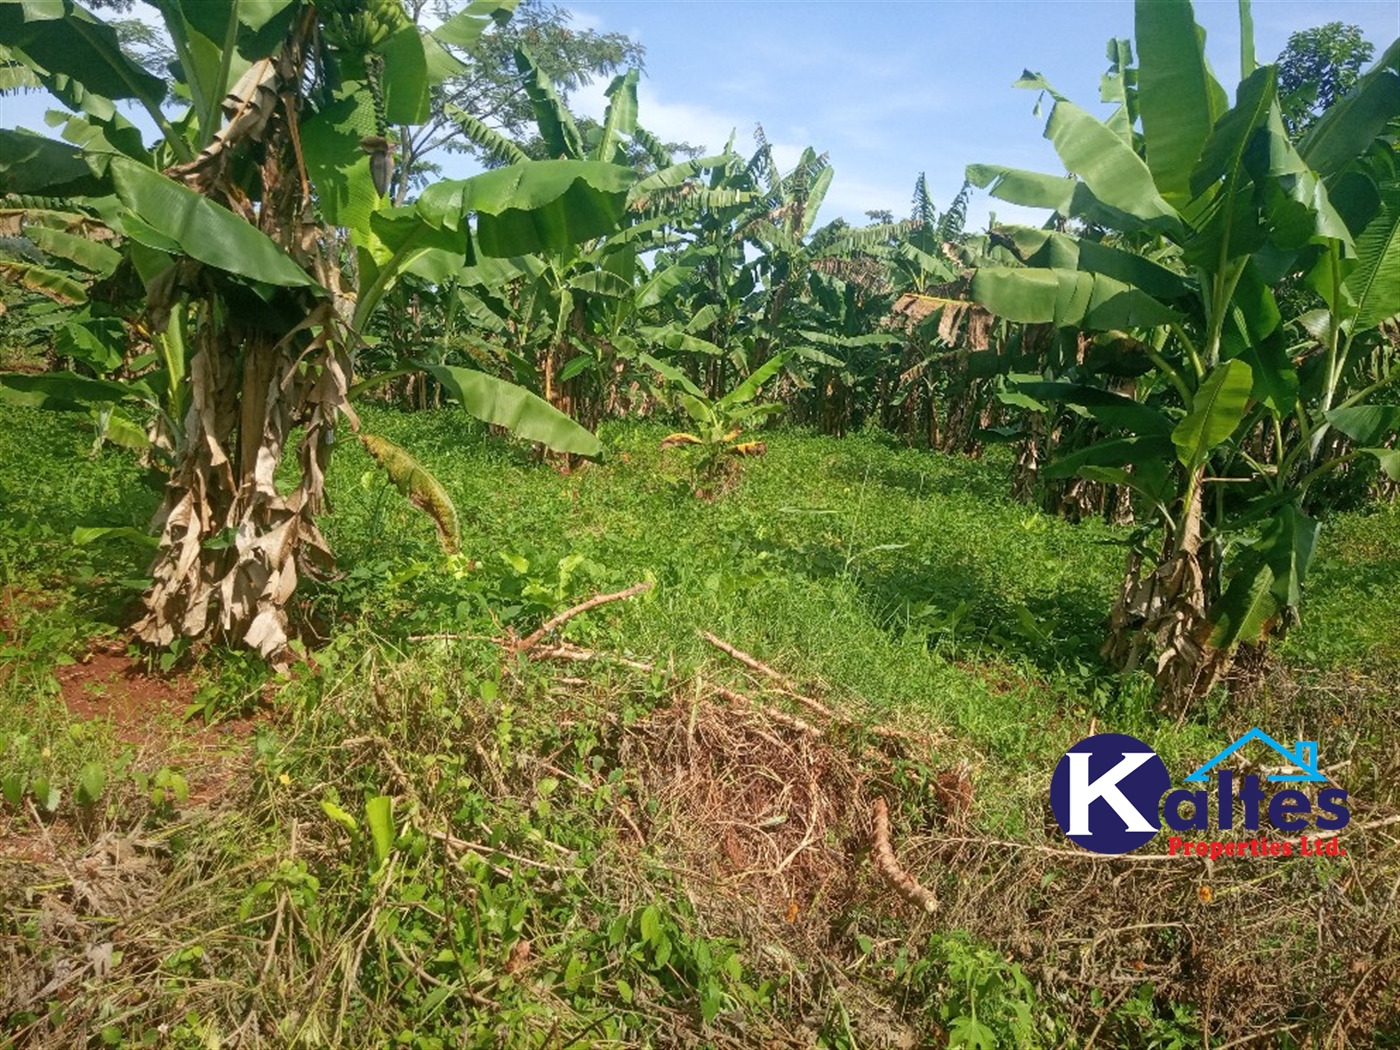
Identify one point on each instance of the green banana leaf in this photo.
(1178, 97)
(62, 37)
(1066, 297)
(1366, 424)
(1374, 286)
(1216, 410)
(532, 207)
(1113, 410)
(515, 408)
(202, 229)
(1268, 579)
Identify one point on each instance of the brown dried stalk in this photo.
(888, 865)
(755, 664)
(527, 643)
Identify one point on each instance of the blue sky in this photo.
(889, 89)
(892, 89)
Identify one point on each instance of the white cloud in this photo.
(695, 123)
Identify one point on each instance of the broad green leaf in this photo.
(815, 194)
(650, 924)
(1374, 285)
(211, 17)
(1114, 88)
(91, 255)
(12, 787)
(1366, 424)
(556, 124)
(98, 341)
(676, 174)
(621, 117)
(92, 781)
(1111, 409)
(202, 229)
(660, 285)
(1051, 250)
(1247, 609)
(748, 389)
(678, 341)
(1066, 298)
(1268, 578)
(211, 71)
(532, 207)
(1223, 153)
(671, 374)
(1350, 126)
(115, 426)
(405, 77)
(1031, 189)
(83, 535)
(1178, 98)
(1389, 459)
(344, 819)
(1275, 378)
(338, 167)
(441, 64)
(66, 39)
(515, 408)
(487, 138)
(36, 164)
(464, 29)
(379, 815)
(601, 282)
(46, 794)
(59, 390)
(1247, 60)
(1216, 411)
(1114, 173)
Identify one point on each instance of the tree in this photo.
(483, 86)
(1317, 68)
(1166, 270)
(231, 223)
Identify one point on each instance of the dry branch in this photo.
(755, 664)
(524, 645)
(888, 865)
(781, 717)
(564, 651)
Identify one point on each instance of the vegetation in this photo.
(711, 589)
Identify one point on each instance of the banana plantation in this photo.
(593, 602)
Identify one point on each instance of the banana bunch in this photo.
(361, 25)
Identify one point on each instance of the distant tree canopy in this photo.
(490, 89)
(1318, 67)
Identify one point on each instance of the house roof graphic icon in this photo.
(1303, 756)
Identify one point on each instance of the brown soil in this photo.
(143, 708)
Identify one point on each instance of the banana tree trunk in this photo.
(1161, 618)
(232, 544)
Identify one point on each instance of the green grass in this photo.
(905, 585)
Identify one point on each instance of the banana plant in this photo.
(1181, 217)
(719, 422)
(237, 223)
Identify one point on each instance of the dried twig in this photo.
(781, 717)
(888, 865)
(565, 651)
(485, 852)
(755, 664)
(527, 643)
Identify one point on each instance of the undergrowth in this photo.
(417, 840)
